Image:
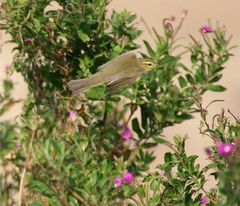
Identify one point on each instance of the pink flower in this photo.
(225, 149)
(126, 135)
(204, 201)
(127, 178)
(206, 29)
(7, 67)
(73, 115)
(27, 40)
(118, 183)
(167, 22)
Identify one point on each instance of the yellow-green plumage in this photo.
(120, 71)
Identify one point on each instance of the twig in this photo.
(180, 24)
(140, 198)
(21, 186)
(134, 200)
(131, 114)
(78, 197)
(101, 138)
(148, 29)
(237, 120)
(216, 100)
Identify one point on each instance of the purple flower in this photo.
(73, 115)
(126, 135)
(27, 40)
(206, 29)
(127, 178)
(118, 183)
(204, 201)
(225, 149)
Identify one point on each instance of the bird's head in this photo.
(147, 64)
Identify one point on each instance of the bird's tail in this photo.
(80, 85)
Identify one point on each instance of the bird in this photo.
(122, 70)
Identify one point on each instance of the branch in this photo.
(101, 138)
(77, 196)
(29, 152)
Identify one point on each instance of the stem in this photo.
(131, 114)
(162, 195)
(29, 152)
(147, 191)
(78, 197)
(101, 138)
(139, 197)
(237, 120)
(134, 200)
(148, 29)
(217, 100)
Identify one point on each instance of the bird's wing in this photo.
(117, 84)
(124, 60)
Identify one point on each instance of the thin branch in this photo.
(217, 100)
(78, 197)
(28, 157)
(148, 29)
(101, 138)
(134, 200)
(131, 113)
(237, 120)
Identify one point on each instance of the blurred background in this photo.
(153, 12)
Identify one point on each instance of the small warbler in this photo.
(122, 70)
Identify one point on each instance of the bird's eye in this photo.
(150, 64)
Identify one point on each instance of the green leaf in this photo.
(200, 76)
(136, 127)
(56, 146)
(8, 85)
(35, 204)
(155, 184)
(141, 191)
(215, 78)
(149, 49)
(182, 81)
(160, 140)
(40, 187)
(168, 157)
(183, 116)
(148, 145)
(194, 58)
(37, 24)
(144, 116)
(154, 200)
(190, 78)
(83, 36)
(96, 93)
(215, 88)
